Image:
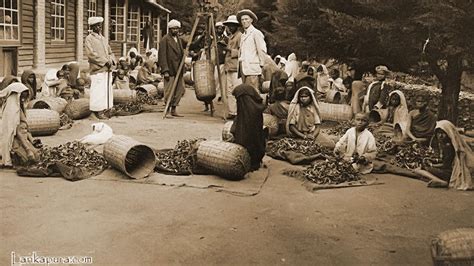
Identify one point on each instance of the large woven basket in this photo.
(78, 109)
(204, 83)
(453, 247)
(124, 96)
(57, 104)
(270, 122)
(228, 160)
(149, 89)
(42, 122)
(333, 96)
(335, 112)
(226, 135)
(129, 156)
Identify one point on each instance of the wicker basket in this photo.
(131, 157)
(124, 96)
(454, 247)
(333, 96)
(204, 83)
(225, 159)
(42, 122)
(78, 109)
(270, 122)
(57, 104)
(226, 135)
(149, 89)
(265, 87)
(378, 115)
(335, 112)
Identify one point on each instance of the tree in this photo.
(398, 33)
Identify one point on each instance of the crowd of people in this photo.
(295, 93)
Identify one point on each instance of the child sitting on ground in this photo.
(358, 145)
(303, 115)
(121, 81)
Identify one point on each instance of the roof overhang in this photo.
(155, 4)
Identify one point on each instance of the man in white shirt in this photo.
(253, 49)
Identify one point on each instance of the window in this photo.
(9, 20)
(92, 9)
(58, 20)
(133, 20)
(144, 18)
(156, 29)
(117, 14)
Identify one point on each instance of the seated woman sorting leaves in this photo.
(395, 122)
(303, 116)
(421, 121)
(17, 142)
(455, 154)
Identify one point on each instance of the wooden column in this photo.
(106, 19)
(79, 31)
(40, 35)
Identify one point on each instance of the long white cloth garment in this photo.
(364, 144)
(98, 92)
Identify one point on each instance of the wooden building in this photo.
(38, 34)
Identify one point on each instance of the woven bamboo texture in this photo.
(270, 122)
(335, 112)
(57, 104)
(78, 109)
(266, 86)
(226, 135)
(204, 83)
(129, 156)
(42, 122)
(149, 89)
(124, 96)
(225, 159)
(454, 247)
(333, 96)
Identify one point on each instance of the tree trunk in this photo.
(451, 86)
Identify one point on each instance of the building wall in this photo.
(61, 52)
(25, 51)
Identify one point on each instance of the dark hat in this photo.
(247, 12)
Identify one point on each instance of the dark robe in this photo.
(379, 94)
(278, 79)
(423, 124)
(31, 87)
(248, 124)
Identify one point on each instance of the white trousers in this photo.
(101, 95)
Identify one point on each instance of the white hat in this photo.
(219, 24)
(174, 24)
(232, 19)
(95, 20)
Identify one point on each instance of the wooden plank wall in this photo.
(25, 51)
(61, 52)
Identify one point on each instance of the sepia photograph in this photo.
(237, 132)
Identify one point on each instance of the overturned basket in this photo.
(453, 247)
(149, 89)
(42, 122)
(335, 112)
(124, 96)
(78, 109)
(131, 157)
(228, 160)
(52, 103)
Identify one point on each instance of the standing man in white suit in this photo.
(253, 49)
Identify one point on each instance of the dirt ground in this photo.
(120, 223)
